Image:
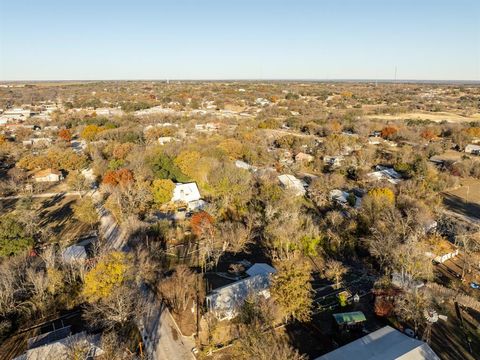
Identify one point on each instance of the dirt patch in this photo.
(464, 200)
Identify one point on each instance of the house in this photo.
(303, 158)
(189, 194)
(344, 198)
(339, 196)
(48, 175)
(290, 182)
(58, 345)
(17, 114)
(472, 149)
(37, 142)
(74, 254)
(384, 173)
(224, 302)
(349, 321)
(383, 344)
(442, 250)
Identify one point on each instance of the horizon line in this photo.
(383, 80)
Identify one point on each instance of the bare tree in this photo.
(178, 289)
(118, 309)
(335, 270)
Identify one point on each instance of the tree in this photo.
(389, 132)
(122, 177)
(118, 309)
(162, 190)
(164, 168)
(86, 212)
(335, 270)
(65, 135)
(259, 345)
(292, 290)
(382, 196)
(108, 274)
(14, 239)
(202, 224)
(76, 181)
(411, 307)
(90, 132)
(232, 147)
(187, 161)
(178, 289)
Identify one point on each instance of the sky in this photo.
(239, 39)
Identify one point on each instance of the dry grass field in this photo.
(465, 200)
(435, 117)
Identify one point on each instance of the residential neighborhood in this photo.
(240, 180)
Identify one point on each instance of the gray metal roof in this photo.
(383, 344)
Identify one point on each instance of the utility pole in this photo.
(196, 289)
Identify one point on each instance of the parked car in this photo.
(475, 286)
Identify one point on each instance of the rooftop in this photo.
(383, 344)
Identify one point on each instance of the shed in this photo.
(350, 320)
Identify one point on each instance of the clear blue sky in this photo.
(239, 39)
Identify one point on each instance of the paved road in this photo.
(161, 336)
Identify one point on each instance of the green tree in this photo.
(164, 168)
(292, 290)
(162, 190)
(85, 211)
(13, 237)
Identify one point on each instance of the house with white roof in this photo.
(472, 149)
(48, 175)
(383, 344)
(188, 194)
(385, 173)
(224, 302)
(290, 182)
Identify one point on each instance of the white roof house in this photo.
(383, 344)
(48, 175)
(292, 183)
(61, 349)
(224, 302)
(384, 173)
(472, 149)
(188, 193)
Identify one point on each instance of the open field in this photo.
(431, 116)
(465, 200)
(57, 214)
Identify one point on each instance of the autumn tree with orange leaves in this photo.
(65, 135)
(121, 177)
(389, 131)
